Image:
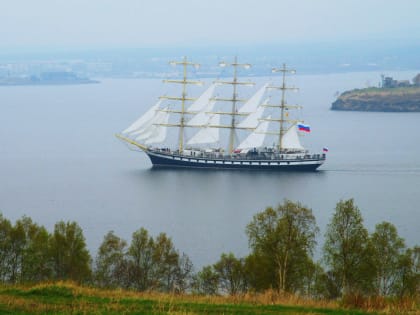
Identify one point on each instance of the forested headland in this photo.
(369, 270)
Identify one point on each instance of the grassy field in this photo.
(67, 298)
(374, 91)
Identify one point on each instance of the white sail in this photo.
(203, 100)
(144, 121)
(207, 134)
(251, 105)
(151, 128)
(256, 138)
(148, 127)
(157, 134)
(202, 118)
(252, 120)
(290, 139)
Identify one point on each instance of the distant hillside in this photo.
(401, 99)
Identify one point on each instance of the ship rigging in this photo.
(203, 149)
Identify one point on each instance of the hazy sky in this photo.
(134, 23)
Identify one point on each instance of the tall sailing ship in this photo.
(205, 118)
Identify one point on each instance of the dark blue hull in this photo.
(176, 161)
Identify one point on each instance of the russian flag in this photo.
(303, 127)
(325, 149)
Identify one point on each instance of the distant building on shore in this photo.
(389, 82)
(416, 80)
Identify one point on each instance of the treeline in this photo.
(282, 241)
(30, 254)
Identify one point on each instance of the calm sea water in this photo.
(59, 160)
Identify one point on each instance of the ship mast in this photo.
(234, 100)
(283, 106)
(185, 63)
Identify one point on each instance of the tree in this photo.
(315, 282)
(206, 281)
(24, 252)
(409, 273)
(260, 271)
(285, 238)
(346, 248)
(17, 246)
(36, 257)
(230, 272)
(156, 264)
(140, 255)
(5, 248)
(415, 261)
(388, 248)
(183, 276)
(165, 263)
(71, 259)
(111, 265)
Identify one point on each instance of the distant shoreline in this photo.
(46, 78)
(49, 83)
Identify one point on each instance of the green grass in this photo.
(383, 91)
(71, 299)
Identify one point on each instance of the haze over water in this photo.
(59, 160)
